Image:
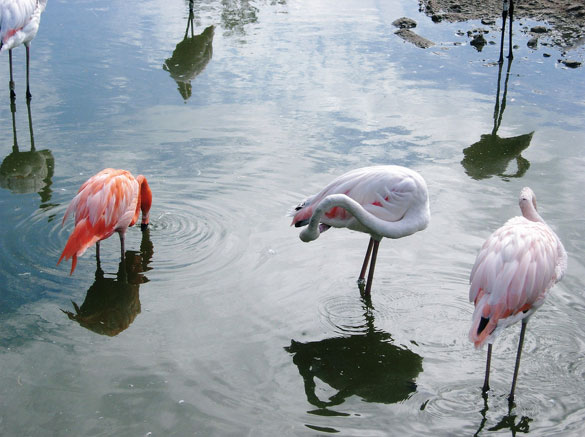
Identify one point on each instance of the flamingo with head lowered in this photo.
(512, 274)
(108, 202)
(19, 24)
(384, 201)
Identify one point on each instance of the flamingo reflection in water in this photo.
(492, 154)
(27, 172)
(108, 202)
(112, 303)
(384, 201)
(19, 24)
(190, 56)
(367, 365)
(510, 279)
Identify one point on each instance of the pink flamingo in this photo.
(19, 23)
(384, 201)
(108, 202)
(514, 269)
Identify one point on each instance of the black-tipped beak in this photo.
(143, 226)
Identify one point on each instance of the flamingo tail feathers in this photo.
(83, 236)
(489, 320)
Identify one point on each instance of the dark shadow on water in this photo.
(367, 365)
(27, 172)
(112, 303)
(492, 154)
(509, 421)
(190, 56)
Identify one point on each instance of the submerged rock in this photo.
(411, 37)
(533, 43)
(478, 42)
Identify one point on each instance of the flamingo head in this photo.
(527, 198)
(145, 201)
(527, 204)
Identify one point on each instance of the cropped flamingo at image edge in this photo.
(512, 274)
(19, 24)
(108, 202)
(384, 201)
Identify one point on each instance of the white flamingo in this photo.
(383, 201)
(19, 23)
(514, 269)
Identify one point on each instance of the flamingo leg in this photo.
(362, 277)
(372, 266)
(11, 83)
(28, 94)
(517, 366)
(97, 255)
(504, 16)
(13, 111)
(121, 234)
(510, 55)
(486, 381)
(30, 127)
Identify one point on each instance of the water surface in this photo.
(228, 324)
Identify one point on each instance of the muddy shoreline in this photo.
(563, 20)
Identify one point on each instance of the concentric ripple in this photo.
(349, 315)
(30, 250)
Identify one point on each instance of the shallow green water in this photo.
(229, 324)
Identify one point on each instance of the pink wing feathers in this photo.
(15, 18)
(104, 204)
(384, 191)
(513, 271)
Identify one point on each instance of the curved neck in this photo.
(378, 228)
(529, 211)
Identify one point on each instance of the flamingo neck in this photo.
(378, 228)
(529, 211)
(145, 200)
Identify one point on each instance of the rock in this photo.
(533, 43)
(538, 29)
(404, 23)
(411, 37)
(546, 55)
(478, 42)
(564, 20)
(488, 21)
(570, 63)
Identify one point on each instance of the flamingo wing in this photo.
(14, 15)
(384, 191)
(104, 204)
(512, 273)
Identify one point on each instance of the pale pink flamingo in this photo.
(514, 269)
(108, 202)
(383, 201)
(19, 23)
